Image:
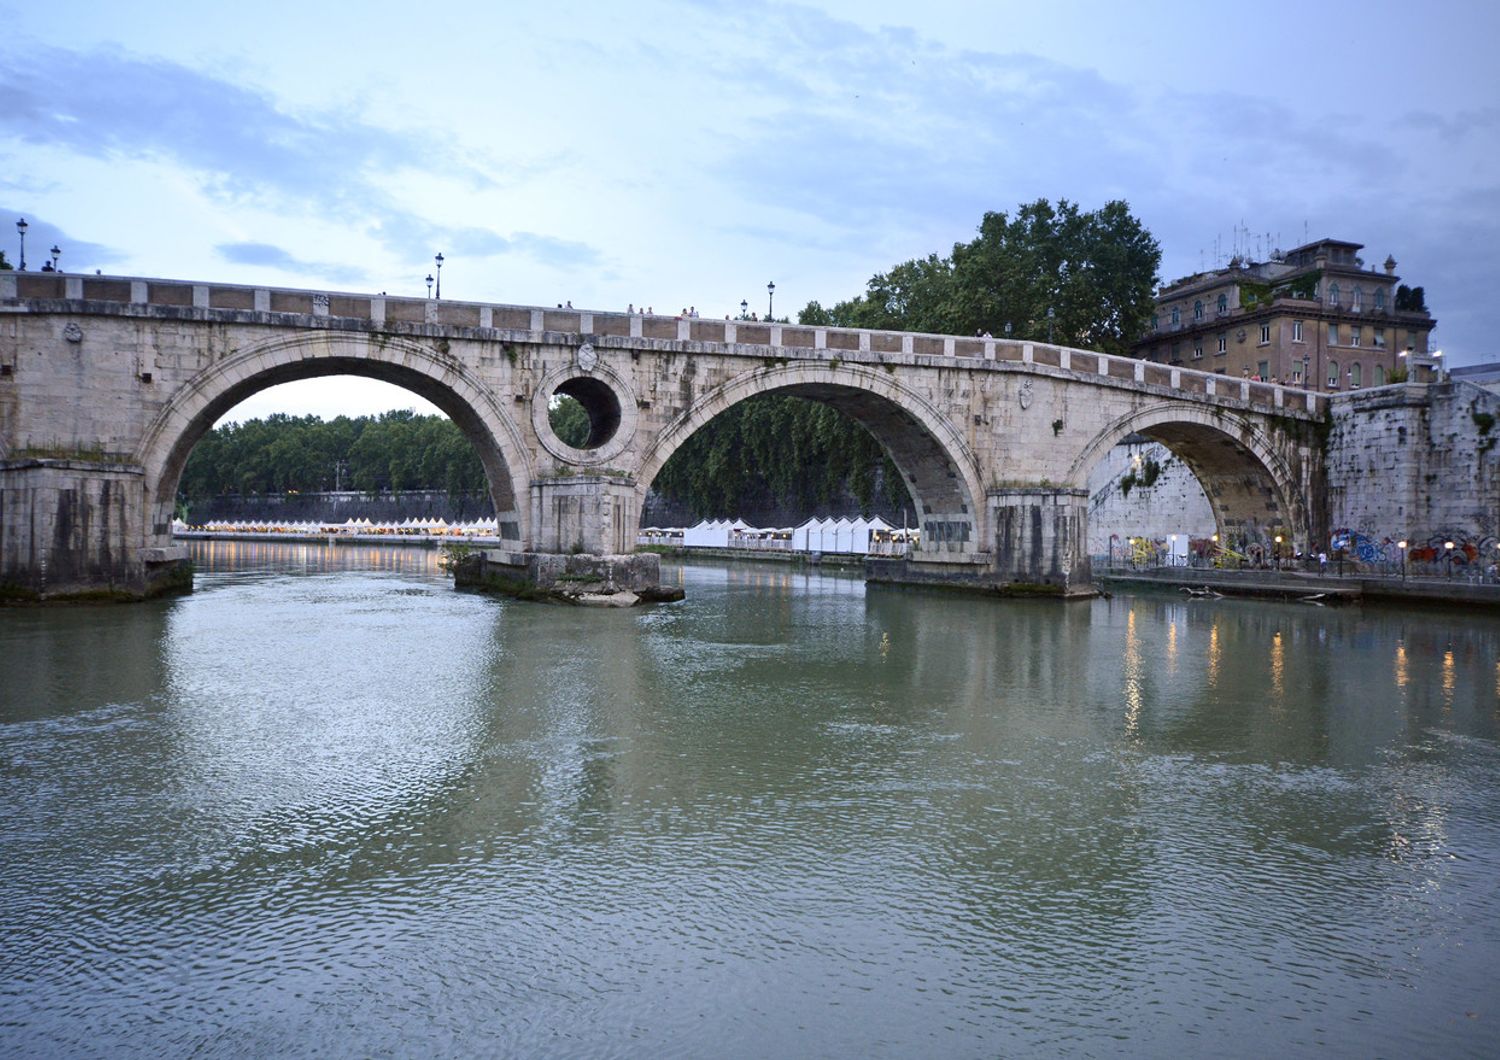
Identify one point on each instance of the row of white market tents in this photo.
(848, 536)
(405, 528)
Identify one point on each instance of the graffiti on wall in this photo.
(1456, 548)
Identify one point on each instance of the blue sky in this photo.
(680, 154)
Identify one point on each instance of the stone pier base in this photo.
(72, 529)
(584, 578)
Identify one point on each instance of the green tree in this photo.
(1085, 279)
(569, 420)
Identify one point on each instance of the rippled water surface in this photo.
(328, 806)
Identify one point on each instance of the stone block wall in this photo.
(1173, 504)
(1417, 462)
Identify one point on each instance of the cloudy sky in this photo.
(685, 153)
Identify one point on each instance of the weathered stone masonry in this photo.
(107, 383)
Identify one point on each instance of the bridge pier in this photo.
(74, 528)
(572, 513)
(1041, 535)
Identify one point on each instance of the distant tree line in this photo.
(397, 450)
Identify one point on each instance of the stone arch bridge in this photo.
(106, 383)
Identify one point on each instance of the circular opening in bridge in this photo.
(584, 412)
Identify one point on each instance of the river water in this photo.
(328, 806)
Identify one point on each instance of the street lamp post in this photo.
(744, 309)
(1402, 546)
(1448, 552)
(56, 253)
(1051, 315)
(429, 285)
(1278, 552)
(771, 300)
(439, 260)
(21, 227)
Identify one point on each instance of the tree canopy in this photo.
(1096, 272)
(805, 454)
(397, 450)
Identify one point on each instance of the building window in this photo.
(1297, 372)
(1223, 342)
(1356, 374)
(1380, 375)
(1198, 309)
(1379, 338)
(1265, 334)
(1333, 375)
(1176, 316)
(1411, 340)
(1296, 331)
(1263, 370)
(1359, 298)
(1197, 351)
(1354, 331)
(1333, 294)
(1333, 334)
(1155, 322)
(1176, 353)
(1223, 305)
(1380, 298)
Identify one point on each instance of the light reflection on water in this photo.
(328, 805)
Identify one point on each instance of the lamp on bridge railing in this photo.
(1051, 315)
(439, 260)
(429, 285)
(1007, 329)
(56, 253)
(744, 309)
(21, 228)
(770, 300)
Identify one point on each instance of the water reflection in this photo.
(321, 808)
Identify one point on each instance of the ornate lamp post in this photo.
(1448, 553)
(744, 309)
(439, 260)
(21, 227)
(1051, 316)
(429, 285)
(56, 253)
(1402, 546)
(770, 300)
(1278, 552)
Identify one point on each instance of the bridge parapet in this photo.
(23, 292)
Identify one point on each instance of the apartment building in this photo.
(1313, 317)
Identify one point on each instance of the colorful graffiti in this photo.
(1455, 549)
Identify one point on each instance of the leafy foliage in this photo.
(1410, 299)
(397, 450)
(569, 420)
(1095, 272)
(800, 451)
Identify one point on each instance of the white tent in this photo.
(707, 534)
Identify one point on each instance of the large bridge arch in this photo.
(407, 363)
(1251, 488)
(936, 463)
